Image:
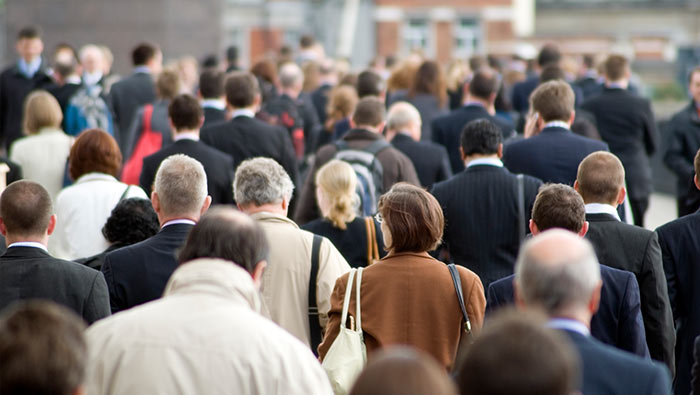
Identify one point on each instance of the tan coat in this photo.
(409, 298)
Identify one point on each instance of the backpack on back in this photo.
(87, 109)
(369, 171)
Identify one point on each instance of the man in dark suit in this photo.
(625, 121)
(319, 97)
(588, 79)
(520, 95)
(680, 248)
(211, 91)
(618, 321)
(403, 130)
(601, 183)
(28, 74)
(138, 273)
(135, 90)
(558, 273)
(27, 271)
(185, 120)
(484, 220)
(447, 129)
(244, 137)
(550, 151)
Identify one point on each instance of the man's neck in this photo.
(292, 93)
(11, 239)
(474, 157)
(274, 208)
(184, 132)
(471, 99)
(168, 218)
(372, 129)
(249, 108)
(31, 60)
(623, 84)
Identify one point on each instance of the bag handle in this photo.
(346, 301)
(457, 281)
(314, 326)
(147, 116)
(358, 312)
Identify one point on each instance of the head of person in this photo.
(42, 350)
(64, 62)
(92, 59)
(484, 85)
(401, 370)
(553, 101)
(29, 45)
(266, 70)
(311, 70)
(211, 84)
(335, 192)
(558, 206)
(94, 151)
(481, 138)
(549, 54)
(327, 71)
(41, 110)
(132, 220)
(370, 83)
(108, 57)
(180, 189)
(232, 55)
(261, 184)
(402, 75)
(291, 79)
(26, 213)
(552, 72)
(369, 114)
(601, 179)
(412, 219)
(694, 84)
(616, 69)
(242, 90)
(168, 84)
(558, 272)
(516, 354)
(403, 118)
(185, 113)
(306, 42)
(430, 79)
(696, 165)
(149, 55)
(342, 102)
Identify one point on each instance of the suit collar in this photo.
(600, 217)
(25, 252)
(484, 167)
(402, 138)
(555, 129)
(175, 228)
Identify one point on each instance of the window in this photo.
(467, 34)
(415, 35)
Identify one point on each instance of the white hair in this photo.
(91, 49)
(181, 185)
(261, 181)
(290, 75)
(401, 115)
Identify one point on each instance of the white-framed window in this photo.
(416, 35)
(467, 36)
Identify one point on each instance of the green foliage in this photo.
(667, 91)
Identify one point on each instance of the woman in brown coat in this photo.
(408, 297)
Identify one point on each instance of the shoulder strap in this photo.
(341, 145)
(358, 311)
(346, 301)
(147, 116)
(125, 192)
(377, 146)
(460, 297)
(521, 208)
(314, 324)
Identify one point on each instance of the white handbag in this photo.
(347, 355)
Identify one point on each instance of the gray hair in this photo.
(400, 115)
(557, 270)
(90, 49)
(290, 75)
(261, 181)
(181, 185)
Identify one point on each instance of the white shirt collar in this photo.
(32, 244)
(177, 222)
(73, 79)
(142, 69)
(485, 161)
(95, 176)
(569, 325)
(601, 208)
(243, 112)
(214, 103)
(186, 136)
(556, 124)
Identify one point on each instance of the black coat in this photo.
(138, 273)
(625, 121)
(217, 165)
(430, 159)
(126, 96)
(213, 115)
(480, 206)
(683, 143)
(31, 273)
(352, 242)
(635, 249)
(320, 98)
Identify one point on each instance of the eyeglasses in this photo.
(378, 217)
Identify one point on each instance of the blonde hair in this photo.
(337, 182)
(41, 110)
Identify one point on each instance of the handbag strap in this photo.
(314, 324)
(521, 208)
(460, 297)
(147, 116)
(346, 301)
(125, 192)
(358, 312)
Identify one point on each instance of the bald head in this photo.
(403, 117)
(600, 178)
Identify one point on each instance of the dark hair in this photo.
(241, 88)
(143, 53)
(210, 61)
(25, 208)
(42, 349)
(600, 176)
(552, 72)
(615, 67)
(370, 111)
(516, 354)
(94, 151)
(232, 53)
(430, 79)
(306, 41)
(228, 234)
(400, 370)
(413, 217)
(185, 112)
(132, 220)
(484, 83)
(211, 83)
(548, 54)
(588, 61)
(481, 136)
(369, 83)
(558, 206)
(477, 62)
(29, 32)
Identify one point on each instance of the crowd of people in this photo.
(197, 228)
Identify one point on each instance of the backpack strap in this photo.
(314, 325)
(374, 148)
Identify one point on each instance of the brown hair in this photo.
(41, 110)
(696, 163)
(185, 112)
(342, 103)
(413, 217)
(168, 84)
(312, 75)
(615, 67)
(265, 70)
(600, 177)
(94, 151)
(25, 208)
(402, 76)
(430, 79)
(558, 206)
(241, 89)
(553, 100)
(370, 111)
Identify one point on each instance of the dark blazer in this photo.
(217, 165)
(63, 94)
(126, 97)
(31, 273)
(320, 98)
(213, 115)
(695, 383)
(683, 141)
(480, 205)
(351, 242)
(625, 121)
(430, 159)
(552, 156)
(520, 95)
(680, 248)
(428, 107)
(447, 130)
(618, 321)
(589, 86)
(607, 370)
(138, 273)
(635, 249)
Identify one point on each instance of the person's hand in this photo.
(531, 128)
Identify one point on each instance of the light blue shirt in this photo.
(31, 244)
(569, 325)
(29, 69)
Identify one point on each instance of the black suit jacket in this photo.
(320, 98)
(552, 156)
(138, 273)
(680, 249)
(618, 321)
(213, 115)
(607, 370)
(31, 273)
(447, 130)
(625, 121)
(683, 143)
(126, 96)
(217, 165)
(480, 205)
(430, 159)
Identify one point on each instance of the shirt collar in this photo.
(473, 103)
(73, 79)
(557, 124)
(186, 136)
(214, 103)
(485, 161)
(243, 112)
(602, 208)
(31, 244)
(178, 222)
(569, 325)
(92, 78)
(31, 68)
(142, 69)
(94, 177)
(614, 85)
